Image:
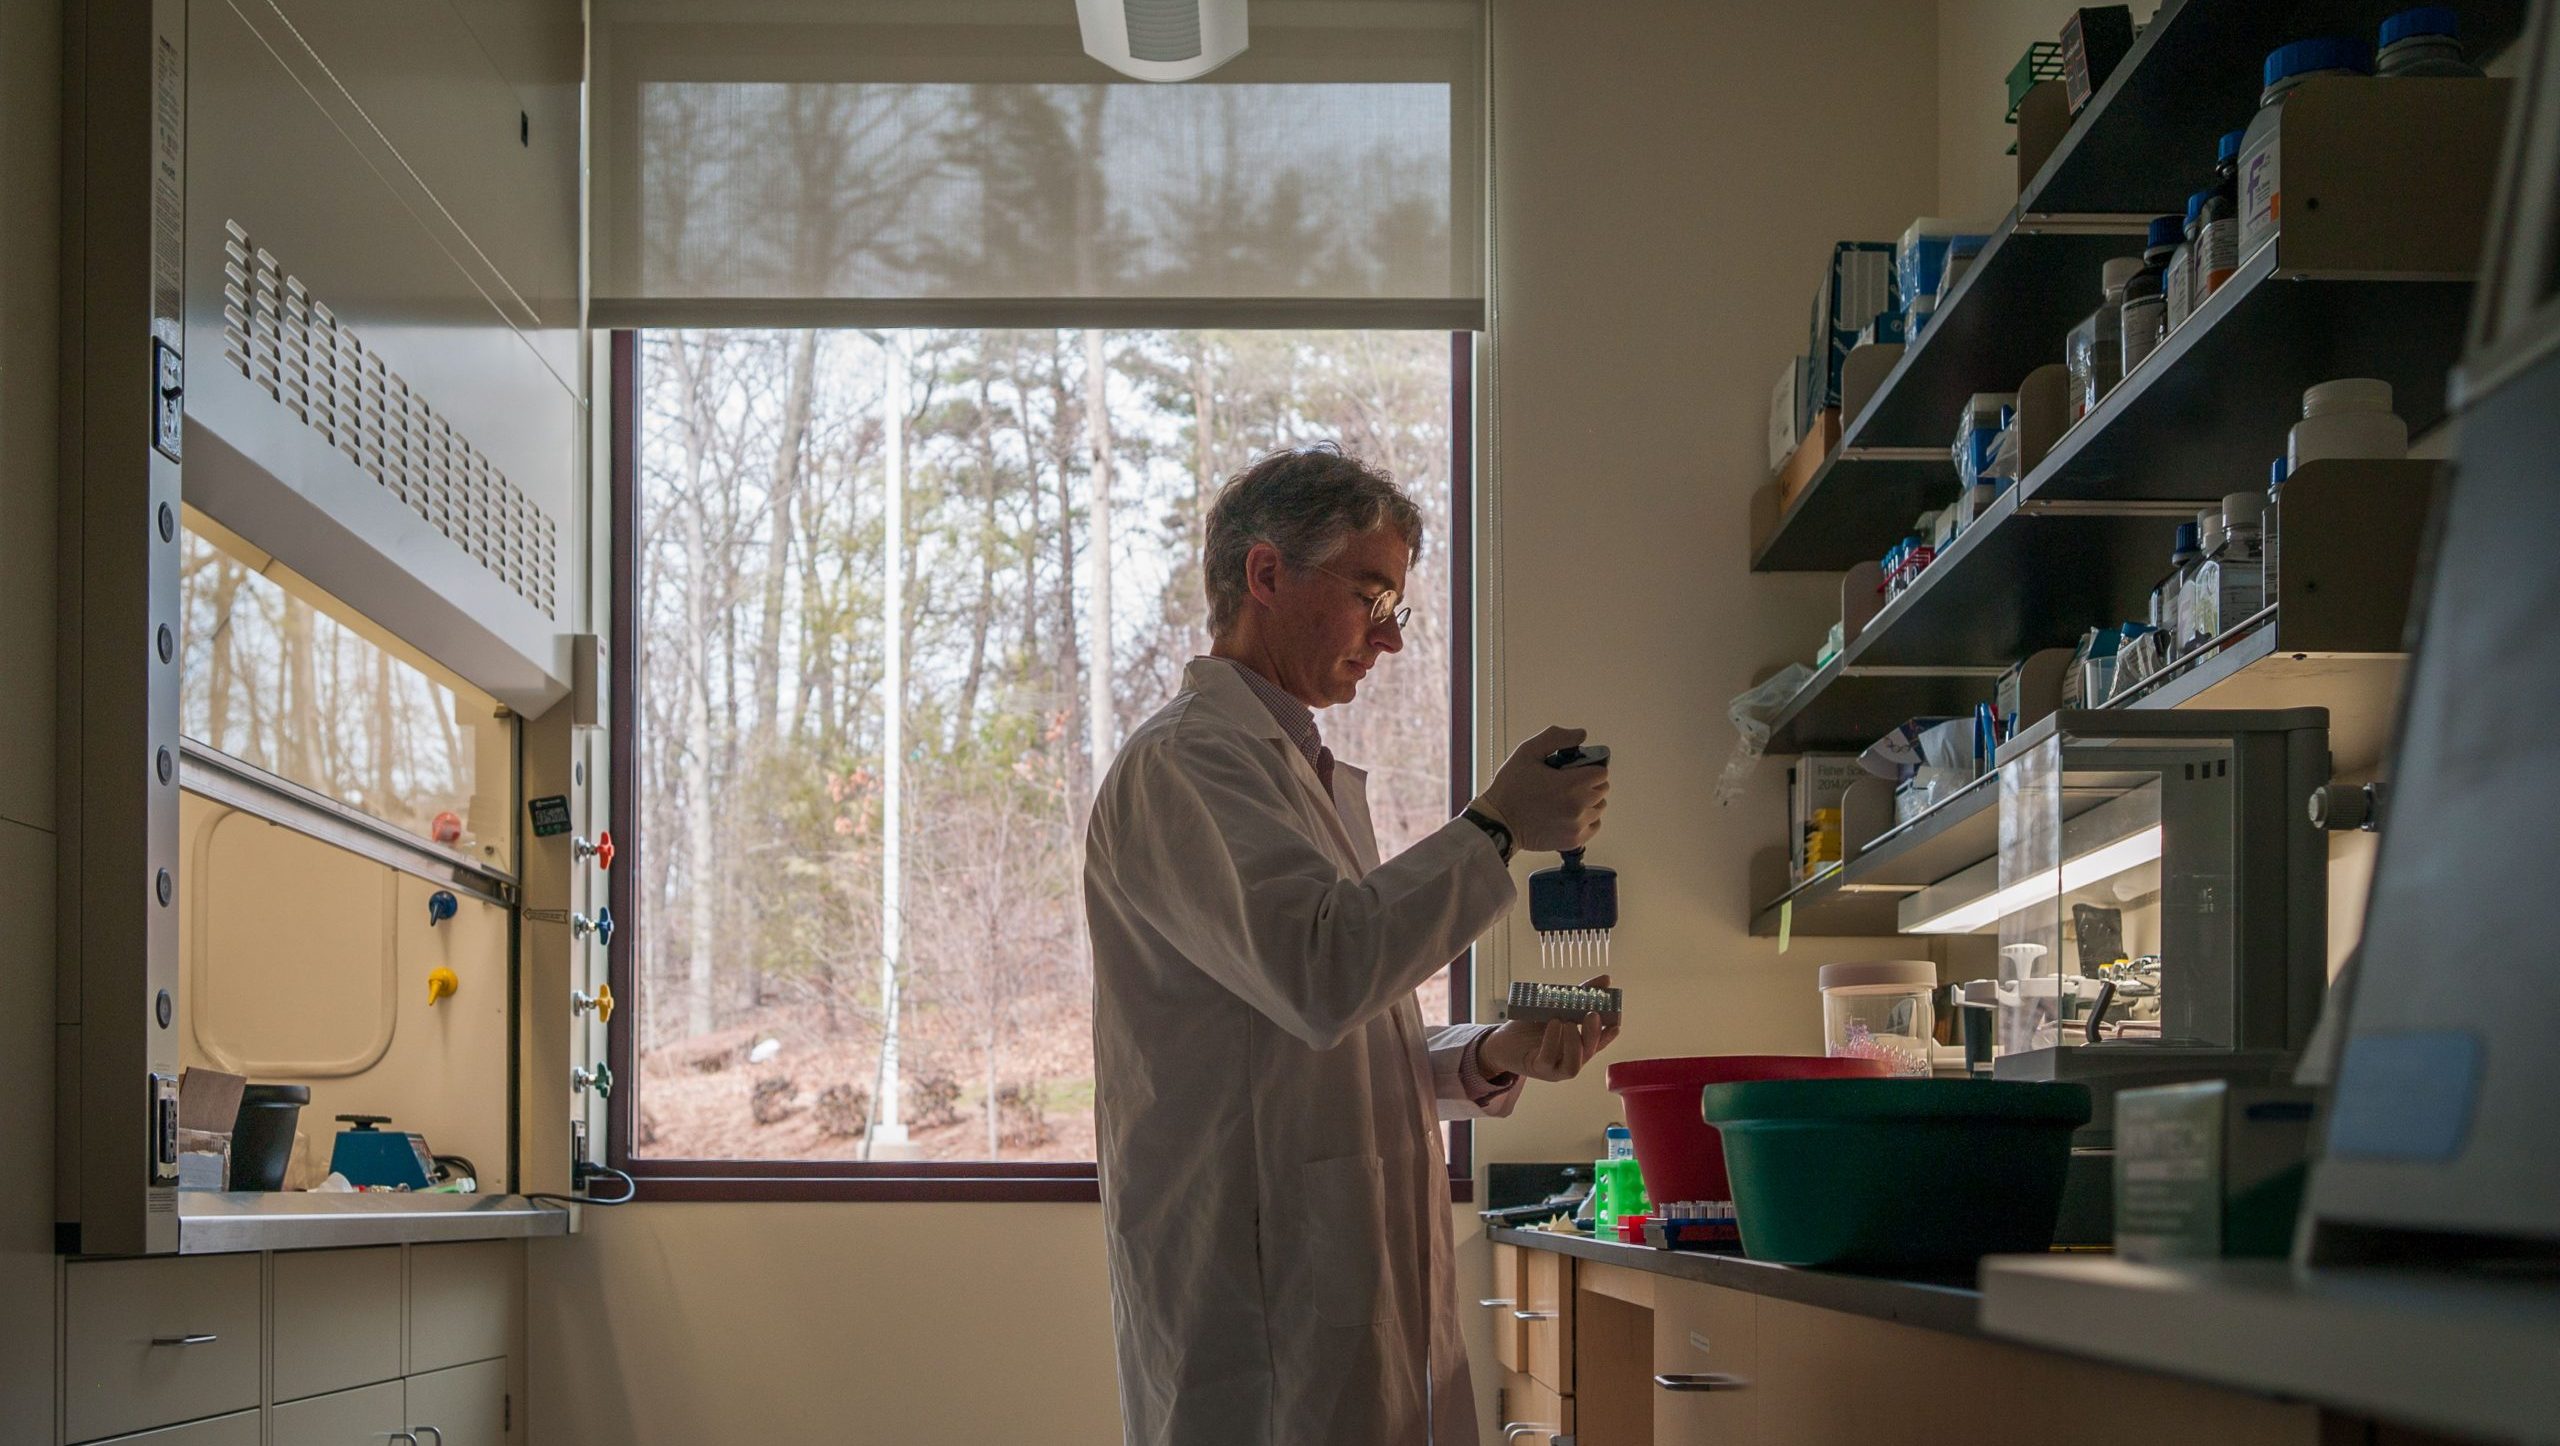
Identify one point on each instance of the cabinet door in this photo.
(337, 1319)
(1510, 1334)
(464, 1301)
(1704, 1362)
(362, 1417)
(1546, 1306)
(464, 1406)
(150, 1342)
(239, 1430)
(1532, 1411)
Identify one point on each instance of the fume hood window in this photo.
(854, 940)
(281, 676)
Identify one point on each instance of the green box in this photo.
(2210, 1169)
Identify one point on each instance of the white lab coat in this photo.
(1266, 1097)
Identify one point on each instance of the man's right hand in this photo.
(1548, 810)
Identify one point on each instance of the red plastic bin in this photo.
(1679, 1153)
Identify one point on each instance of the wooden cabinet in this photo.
(1652, 1358)
(1704, 1354)
(1533, 1411)
(1510, 1333)
(1546, 1309)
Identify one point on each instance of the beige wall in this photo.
(1668, 179)
(1978, 42)
(30, 182)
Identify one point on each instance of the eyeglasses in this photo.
(1385, 607)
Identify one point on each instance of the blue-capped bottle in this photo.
(2424, 44)
(2261, 152)
(2218, 239)
(2146, 304)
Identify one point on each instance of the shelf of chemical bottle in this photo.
(2208, 410)
(1858, 897)
(2082, 538)
(2147, 138)
(1842, 709)
(2030, 285)
(2253, 667)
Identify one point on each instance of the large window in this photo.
(890, 599)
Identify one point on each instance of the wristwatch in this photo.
(1492, 827)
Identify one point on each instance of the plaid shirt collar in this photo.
(1296, 719)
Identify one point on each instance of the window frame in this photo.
(672, 1179)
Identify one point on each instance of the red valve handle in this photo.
(604, 851)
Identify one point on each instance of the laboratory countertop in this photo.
(214, 1222)
(2467, 1354)
(1943, 1303)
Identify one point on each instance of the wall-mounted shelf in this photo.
(1842, 710)
(2193, 74)
(2207, 412)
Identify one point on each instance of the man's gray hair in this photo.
(1308, 502)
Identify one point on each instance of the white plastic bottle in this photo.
(2350, 417)
(2261, 158)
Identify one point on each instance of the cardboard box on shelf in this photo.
(1786, 412)
(1807, 457)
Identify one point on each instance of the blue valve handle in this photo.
(441, 905)
(604, 926)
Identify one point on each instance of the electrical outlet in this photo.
(578, 1165)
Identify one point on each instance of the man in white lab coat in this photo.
(1267, 1096)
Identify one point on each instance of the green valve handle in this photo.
(598, 1077)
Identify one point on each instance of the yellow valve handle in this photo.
(442, 983)
(604, 1004)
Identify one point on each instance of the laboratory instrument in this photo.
(1573, 1002)
(1574, 905)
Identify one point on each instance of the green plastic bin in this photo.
(1895, 1174)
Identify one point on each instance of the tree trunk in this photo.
(781, 494)
(1102, 721)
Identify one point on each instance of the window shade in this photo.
(863, 162)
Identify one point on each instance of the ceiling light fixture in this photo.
(1162, 39)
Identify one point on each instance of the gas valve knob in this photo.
(597, 1077)
(601, 1002)
(601, 926)
(600, 849)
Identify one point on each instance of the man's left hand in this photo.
(1551, 1049)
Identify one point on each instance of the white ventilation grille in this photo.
(1163, 30)
(275, 333)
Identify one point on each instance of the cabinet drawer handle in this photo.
(1501, 1301)
(409, 1436)
(205, 1338)
(1700, 1381)
(1533, 1315)
(1518, 1429)
(436, 1432)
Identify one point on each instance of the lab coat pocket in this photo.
(1344, 1239)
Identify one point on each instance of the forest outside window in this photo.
(855, 937)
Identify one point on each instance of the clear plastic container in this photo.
(1881, 1010)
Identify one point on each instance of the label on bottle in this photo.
(2145, 321)
(2220, 242)
(2261, 205)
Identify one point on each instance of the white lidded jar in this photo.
(2349, 417)
(1881, 1010)
(2261, 155)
